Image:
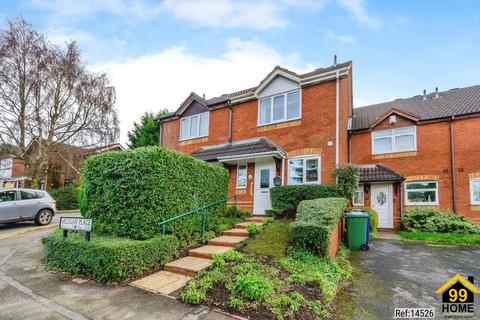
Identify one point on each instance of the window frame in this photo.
(392, 137)
(189, 127)
(472, 181)
(7, 169)
(437, 194)
(304, 172)
(246, 175)
(360, 186)
(285, 105)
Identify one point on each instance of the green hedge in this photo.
(107, 259)
(67, 198)
(287, 198)
(433, 220)
(128, 193)
(315, 221)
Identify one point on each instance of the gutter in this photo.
(452, 165)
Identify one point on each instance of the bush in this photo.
(253, 229)
(107, 259)
(347, 177)
(234, 211)
(253, 287)
(432, 220)
(67, 198)
(315, 221)
(287, 198)
(129, 193)
(373, 218)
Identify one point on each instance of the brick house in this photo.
(12, 168)
(291, 126)
(419, 151)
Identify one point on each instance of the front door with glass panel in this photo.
(382, 202)
(264, 174)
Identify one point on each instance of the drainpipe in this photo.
(337, 122)
(161, 132)
(452, 165)
(230, 116)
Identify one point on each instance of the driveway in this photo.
(28, 291)
(399, 274)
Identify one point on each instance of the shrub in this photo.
(315, 221)
(253, 229)
(107, 259)
(67, 198)
(432, 220)
(373, 218)
(287, 198)
(348, 178)
(253, 287)
(234, 211)
(129, 193)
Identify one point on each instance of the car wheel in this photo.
(44, 217)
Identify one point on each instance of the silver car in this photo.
(26, 205)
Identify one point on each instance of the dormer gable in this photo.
(193, 104)
(394, 118)
(278, 81)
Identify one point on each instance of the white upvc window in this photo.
(195, 126)
(279, 108)
(394, 140)
(358, 196)
(421, 193)
(475, 191)
(6, 168)
(305, 169)
(241, 176)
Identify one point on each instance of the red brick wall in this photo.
(432, 159)
(309, 135)
(18, 168)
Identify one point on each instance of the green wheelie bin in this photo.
(358, 229)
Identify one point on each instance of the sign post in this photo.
(76, 224)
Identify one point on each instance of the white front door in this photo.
(382, 202)
(264, 174)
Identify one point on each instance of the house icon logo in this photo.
(458, 296)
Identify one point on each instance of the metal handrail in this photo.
(203, 209)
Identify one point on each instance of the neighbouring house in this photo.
(420, 151)
(291, 126)
(65, 166)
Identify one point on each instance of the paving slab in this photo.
(208, 251)
(163, 282)
(244, 225)
(237, 232)
(188, 266)
(226, 241)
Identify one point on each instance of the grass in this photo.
(442, 238)
(273, 241)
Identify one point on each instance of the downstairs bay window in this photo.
(421, 193)
(303, 170)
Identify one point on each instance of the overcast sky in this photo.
(156, 52)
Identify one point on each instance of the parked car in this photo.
(26, 205)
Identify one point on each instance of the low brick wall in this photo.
(336, 238)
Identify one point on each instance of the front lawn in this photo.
(273, 241)
(442, 238)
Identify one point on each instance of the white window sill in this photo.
(393, 152)
(188, 139)
(277, 122)
(418, 204)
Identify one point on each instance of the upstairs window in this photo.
(195, 126)
(394, 140)
(475, 191)
(304, 170)
(279, 108)
(421, 193)
(6, 168)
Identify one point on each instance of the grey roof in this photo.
(236, 148)
(454, 102)
(377, 173)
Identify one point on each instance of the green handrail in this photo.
(203, 210)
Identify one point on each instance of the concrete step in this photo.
(188, 266)
(225, 241)
(255, 219)
(207, 252)
(244, 225)
(237, 232)
(162, 282)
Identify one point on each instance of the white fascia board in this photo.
(251, 156)
(332, 75)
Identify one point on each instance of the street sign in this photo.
(76, 224)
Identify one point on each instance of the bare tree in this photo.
(49, 98)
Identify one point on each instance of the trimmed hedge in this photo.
(67, 198)
(315, 222)
(287, 198)
(107, 259)
(129, 193)
(433, 220)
